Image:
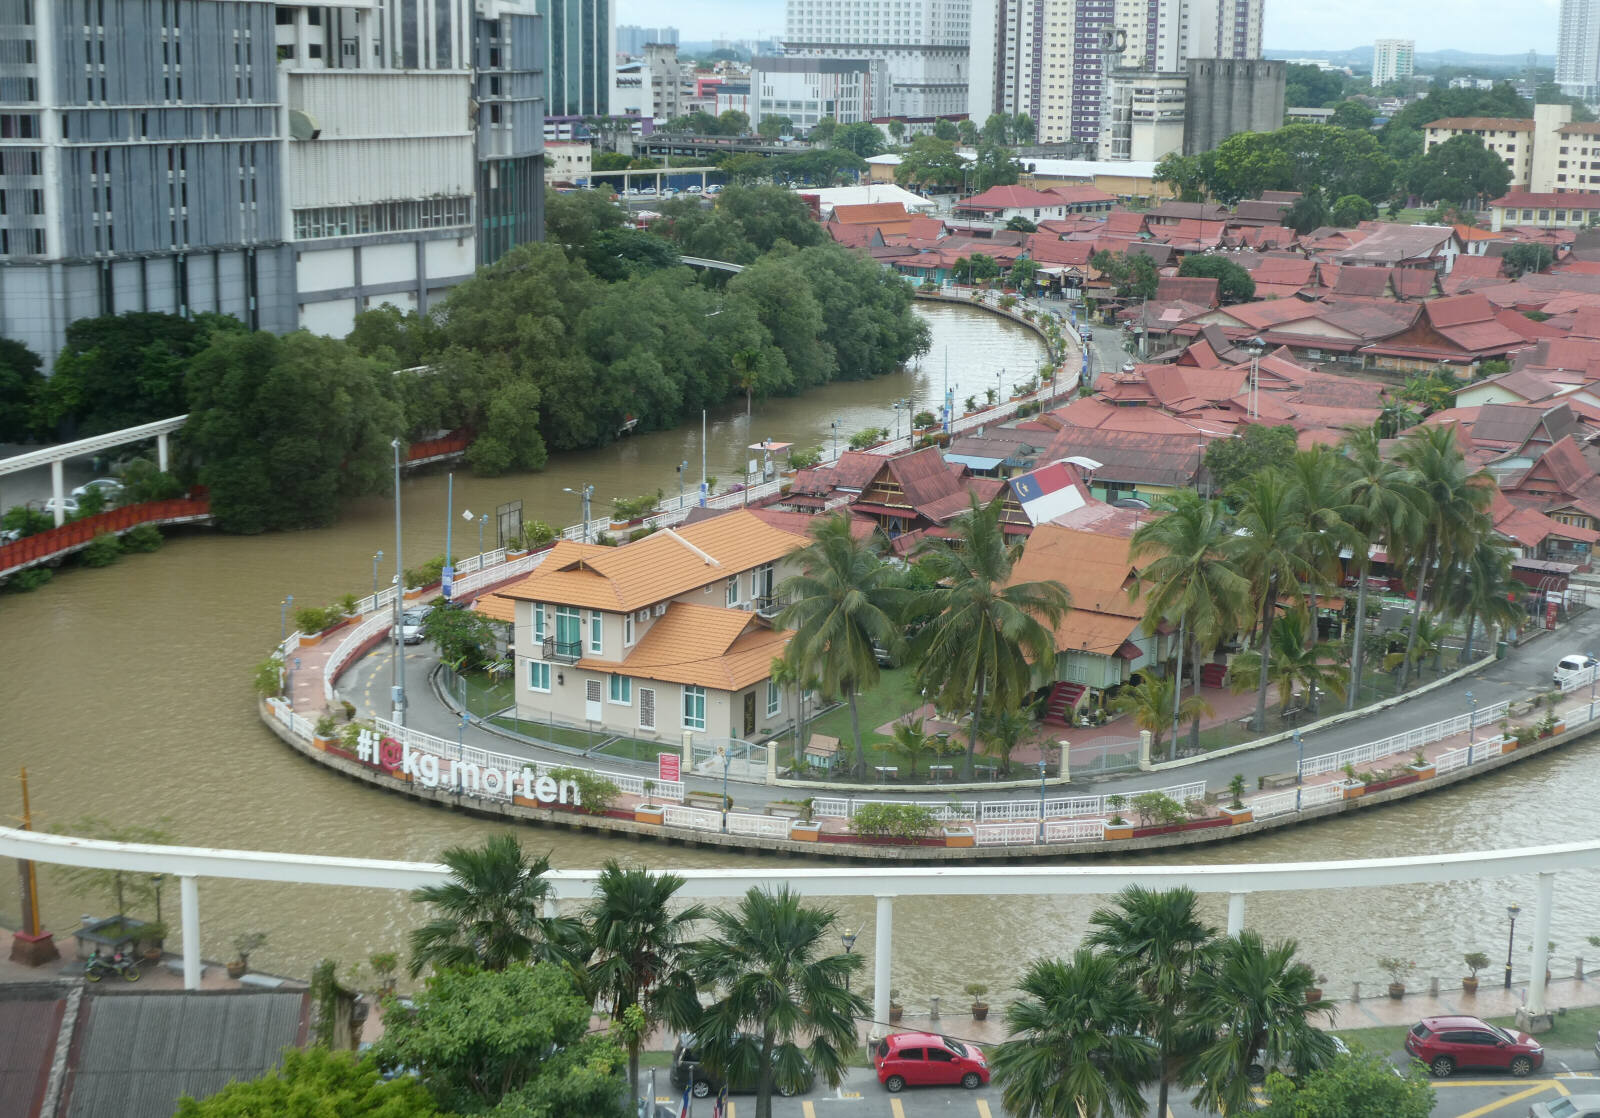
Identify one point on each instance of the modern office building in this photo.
(924, 43)
(809, 90)
(631, 38)
(1393, 59)
(580, 51)
(1578, 49)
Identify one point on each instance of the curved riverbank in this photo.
(992, 306)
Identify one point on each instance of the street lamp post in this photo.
(682, 467)
(849, 941)
(1041, 794)
(1511, 939)
(1594, 673)
(283, 617)
(483, 522)
(1472, 726)
(376, 558)
(583, 496)
(398, 690)
(727, 758)
(1299, 763)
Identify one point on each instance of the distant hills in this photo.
(1361, 57)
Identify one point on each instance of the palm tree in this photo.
(1321, 480)
(1293, 663)
(1453, 505)
(1002, 731)
(1397, 415)
(910, 743)
(1190, 578)
(1383, 507)
(1270, 551)
(843, 600)
(1075, 1045)
(748, 367)
(1252, 1000)
(774, 983)
(637, 950)
(1481, 589)
(989, 638)
(1159, 942)
(490, 913)
(1150, 703)
(787, 673)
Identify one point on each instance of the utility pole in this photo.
(33, 946)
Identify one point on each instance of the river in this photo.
(125, 691)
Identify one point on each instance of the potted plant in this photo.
(1354, 786)
(1236, 811)
(960, 833)
(1117, 827)
(971, 405)
(803, 829)
(243, 945)
(326, 730)
(1476, 961)
(647, 811)
(151, 938)
(1397, 969)
(350, 605)
(980, 1008)
(1420, 765)
(895, 1008)
(1314, 993)
(991, 395)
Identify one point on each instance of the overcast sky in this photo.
(1487, 26)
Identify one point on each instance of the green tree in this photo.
(746, 169)
(1382, 507)
(994, 166)
(946, 129)
(490, 913)
(1150, 703)
(1359, 1085)
(1269, 550)
(610, 161)
(21, 386)
(997, 129)
(843, 601)
(1252, 1000)
(910, 744)
(1075, 1046)
(639, 948)
(1481, 588)
(1460, 170)
(1023, 129)
(776, 982)
(1185, 174)
(823, 130)
(1312, 87)
(992, 637)
(772, 126)
(506, 1042)
(1133, 275)
(1351, 114)
(1432, 391)
(1321, 479)
(1308, 212)
(123, 888)
(461, 635)
(404, 339)
(732, 122)
(1020, 224)
(1501, 101)
(862, 138)
(1231, 461)
(1158, 943)
(1520, 259)
(930, 162)
(285, 427)
(897, 131)
(1293, 664)
(1352, 210)
(966, 132)
(316, 1083)
(1234, 284)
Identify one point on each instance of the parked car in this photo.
(1570, 665)
(68, 505)
(1086, 334)
(1573, 1106)
(688, 1069)
(1257, 1071)
(110, 488)
(928, 1060)
(1447, 1043)
(693, 189)
(411, 624)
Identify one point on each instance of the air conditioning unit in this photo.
(661, 607)
(643, 615)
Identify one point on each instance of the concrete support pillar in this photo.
(882, 955)
(1235, 913)
(1066, 762)
(772, 763)
(1144, 750)
(161, 452)
(189, 898)
(1544, 900)
(58, 490)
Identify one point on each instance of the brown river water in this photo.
(125, 693)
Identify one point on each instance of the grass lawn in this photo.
(633, 749)
(894, 695)
(485, 695)
(544, 731)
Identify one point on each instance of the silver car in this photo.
(411, 624)
(1572, 1106)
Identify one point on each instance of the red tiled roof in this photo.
(870, 213)
(1525, 200)
(1191, 289)
(1483, 123)
(1010, 198)
(1122, 221)
(1079, 193)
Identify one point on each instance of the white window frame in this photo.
(651, 705)
(597, 632)
(625, 690)
(538, 669)
(774, 699)
(698, 694)
(538, 621)
(627, 630)
(733, 591)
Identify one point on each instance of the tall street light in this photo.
(583, 496)
(1299, 765)
(849, 941)
(1472, 726)
(283, 617)
(398, 691)
(1511, 911)
(682, 467)
(835, 426)
(376, 557)
(1041, 793)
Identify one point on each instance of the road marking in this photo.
(731, 1113)
(807, 1110)
(1507, 1101)
(897, 1108)
(983, 1109)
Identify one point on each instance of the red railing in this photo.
(54, 540)
(452, 443)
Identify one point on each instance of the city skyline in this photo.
(1475, 24)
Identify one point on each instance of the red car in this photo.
(1448, 1043)
(928, 1060)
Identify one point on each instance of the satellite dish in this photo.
(302, 125)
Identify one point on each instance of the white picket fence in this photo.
(1316, 794)
(1277, 803)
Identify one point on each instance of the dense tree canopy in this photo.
(1133, 275)
(1351, 114)
(994, 166)
(1312, 87)
(930, 162)
(21, 385)
(1502, 100)
(862, 138)
(1299, 156)
(1230, 461)
(317, 1083)
(1460, 170)
(1234, 283)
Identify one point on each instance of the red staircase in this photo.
(1064, 700)
(1211, 675)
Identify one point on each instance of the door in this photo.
(910, 1066)
(750, 714)
(591, 700)
(943, 1067)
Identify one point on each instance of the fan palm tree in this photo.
(989, 638)
(638, 947)
(1158, 941)
(490, 913)
(1269, 550)
(1075, 1049)
(1481, 589)
(1150, 703)
(776, 984)
(1189, 577)
(1321, 480)
(844, 599)
(1252, 1000)
(1383, 506)
(1453, 503)
(1293, 664)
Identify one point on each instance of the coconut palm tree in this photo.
(1250, 1006)
(1190, 578)
(844, 599)
(1158, 943)
(991, 637)
(1321, 480)
(1002, 731)
(1383, 506)
(638, 949)
(490, 913)
(909, 742)
(1453, 503)
(1481, 588)
(1293, 663)
(1075, 1049)
(782, 995)
(1150, 703)
(1269, 550)
(786, 672)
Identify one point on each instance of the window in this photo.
(627, 629)
(597, 631)
(622, 690)
(733, 590)
(538, 621)
(774, 699)
(538, 675)
(647, 708)
(694, 708)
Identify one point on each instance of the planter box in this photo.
(339, 751)
(1123, 832)
(1234, 818)
(323, 744)
(804, 832)
(648, 813)
(1174, 828)
(1423, 772)
(960, 836)
(1395, 782)
(1354, 791)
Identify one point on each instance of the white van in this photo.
(1570, 666)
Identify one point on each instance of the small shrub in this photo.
(1116, 804)
(596, 794)
(639, 534)
(632, 508)
(536, 533)
(349, 604)
(901, 821)
(314, 619)
(868, 436)
(924, 419)
(1157, 809)
(805, 459)
(30, 579)
(426, 575)
(28, 522)
(266, 678)
(327, 726)
(1236, 791)
(102, 551)
(146, 537)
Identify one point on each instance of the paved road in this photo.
(33, 486)
(1524, 673)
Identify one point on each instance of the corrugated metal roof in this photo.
(30, 1018)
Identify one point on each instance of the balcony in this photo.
(563, 652)
(768, 606)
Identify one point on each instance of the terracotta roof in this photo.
(1122, 221)
(1391, 244)
(1530, 527)
(1047, 249)
(1255, 209)
(496, 608)
(871, 213)
(1205, 211)
(1079, 193)
(1579, 128)
(923, 476)
(1010, 198)
(701, 646)
(1096, 571)
(1469, 265)
(1362, 281)
(1414, 283)
(1133, 456)
(1485, 123)
(1525, 200)
(1191, 289)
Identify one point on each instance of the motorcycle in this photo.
(98, 966)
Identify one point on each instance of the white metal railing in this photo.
(1277, 803)
(1452, 759)
(1075, 830)
(1074, 806)
(695, 818)
(1580, 679)
(1406, 742)
(1314, 794)
(1003, 810)
(1006, 834)
(945, 811)
(761, 826)
(298, 724)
